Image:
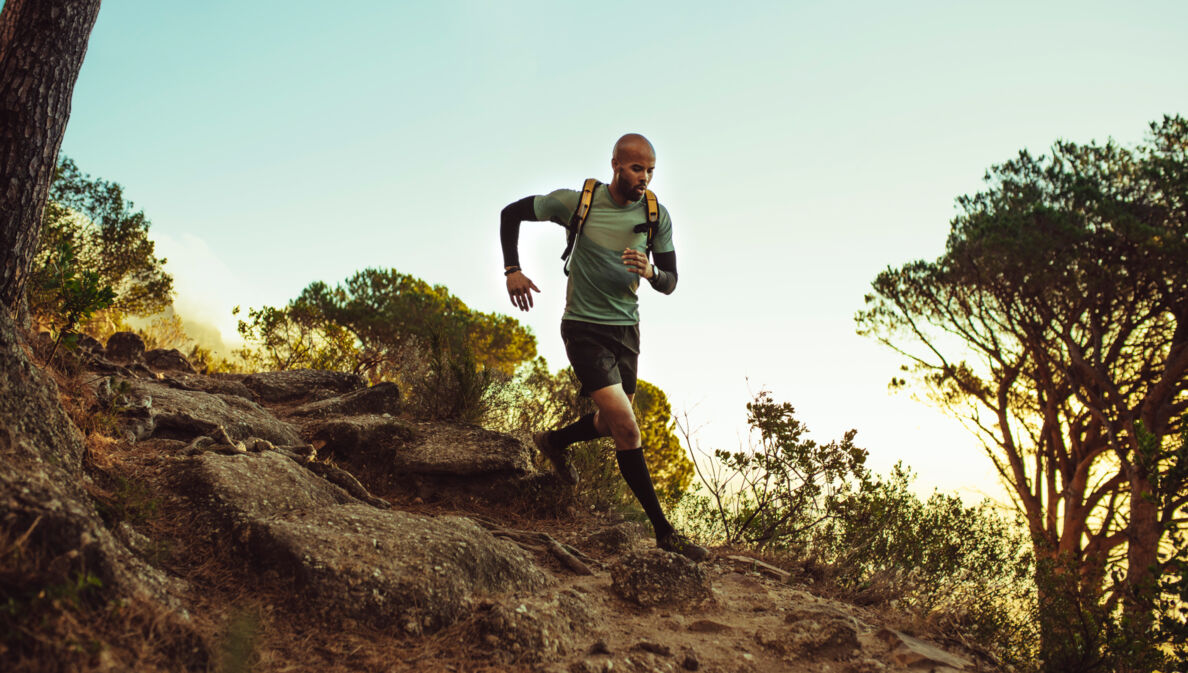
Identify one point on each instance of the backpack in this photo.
(574, 228)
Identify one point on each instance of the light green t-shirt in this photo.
(601, 290)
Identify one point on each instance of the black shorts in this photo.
(602, 355)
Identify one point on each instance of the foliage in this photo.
(1056, 326)
(389, 313)
(1171, 628)
(71, 296)
(109, 239)
(296, 337)
(772, 494)
(451, 385)
(966, 567)
(452, 361)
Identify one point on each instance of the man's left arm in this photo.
(662, 275)
(664, 278)
(664, 272)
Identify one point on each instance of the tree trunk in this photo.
(1142, 573)
(42, 44)
(1070, 618)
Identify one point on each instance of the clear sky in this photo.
(802, 148)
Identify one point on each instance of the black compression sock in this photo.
(635, 473)
(579, 431)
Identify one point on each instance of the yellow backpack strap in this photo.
(653, 216)
(583, 209)
(579, 218)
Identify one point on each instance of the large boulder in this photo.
(389, 454)
(167, 360)
(158, 410)
(382, 398)
(125, 347)
(656, 577)
(351, 560)
(302, 384)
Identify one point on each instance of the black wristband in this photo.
(508, 272)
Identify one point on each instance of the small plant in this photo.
(774, 493)
(76, 296)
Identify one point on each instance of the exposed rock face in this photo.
(538, 628)
(167, 360)
(382, 567)
(302, 384)
(382, 398)
(161, 411)
(388, 453)
(125, 347)
(657, 577)
(40, 471)
(208, 384)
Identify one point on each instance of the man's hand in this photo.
(637, 263)
(519, 288)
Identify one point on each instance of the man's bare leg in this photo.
(616, 416)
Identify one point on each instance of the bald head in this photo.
(633, 161)
(634, 144)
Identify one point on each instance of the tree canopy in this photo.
(382, 323)
(1056, 325)
(106, 236)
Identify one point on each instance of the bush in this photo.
(966, 570)
(451, 385)
(69, 296)
(772, 495)
(963, 570)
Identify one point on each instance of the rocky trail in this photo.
(300, 521)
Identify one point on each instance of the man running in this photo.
(600, 326)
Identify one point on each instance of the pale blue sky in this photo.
(802, 147)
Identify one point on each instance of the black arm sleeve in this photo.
(509, 228)
(665, 279)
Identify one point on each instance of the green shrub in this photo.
(70, 296)
(774, 494)
(963, 570)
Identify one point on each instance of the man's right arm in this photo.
(519, 286)
(509, 228)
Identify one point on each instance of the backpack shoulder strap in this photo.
(578, 219)
(653, 207)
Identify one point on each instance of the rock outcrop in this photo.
(302, 384)
(352, 560)
(380, 399)
(156, 409)
(394, 455)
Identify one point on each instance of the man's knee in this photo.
(623, 427)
